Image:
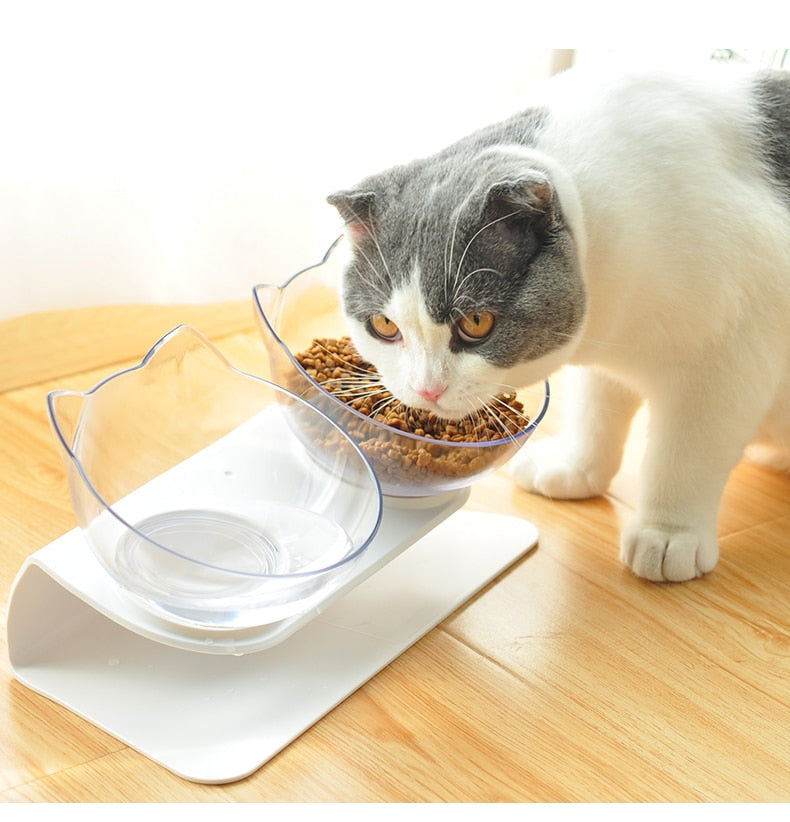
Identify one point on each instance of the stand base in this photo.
(216, 718)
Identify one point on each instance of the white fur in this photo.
(687, 266)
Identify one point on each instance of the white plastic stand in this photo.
(219, 715)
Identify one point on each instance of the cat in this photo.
(636, 226)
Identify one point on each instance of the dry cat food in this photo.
(339, 369)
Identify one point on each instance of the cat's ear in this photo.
(528, 199)
(356, 208)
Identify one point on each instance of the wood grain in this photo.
(53, 344)
(567, 679)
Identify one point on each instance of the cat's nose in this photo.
(430, 394)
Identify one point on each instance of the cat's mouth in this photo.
(435, 407)
(442, 406)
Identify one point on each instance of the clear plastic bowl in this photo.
(198, 499)
(307, 307)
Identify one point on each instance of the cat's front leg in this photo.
(697, 434)
(673, 536)
(580, 461)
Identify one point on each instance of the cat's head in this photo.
(464, 278)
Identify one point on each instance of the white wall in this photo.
(179, 152)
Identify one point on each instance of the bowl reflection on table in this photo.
(306, 308)
(196, 496)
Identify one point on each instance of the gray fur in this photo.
(772, 93)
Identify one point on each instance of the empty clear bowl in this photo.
(307, 307)
(198, 499)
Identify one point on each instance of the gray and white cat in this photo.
(638, 226)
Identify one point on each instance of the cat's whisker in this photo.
(525, 418)
(357, 392)
(381, 255)
(475, 236)
(359, 377)
(471, 274)
(537, 388)
(356, 378)
(374, 282)
(448, 261)
(385, 402)
(478, 413)
(372, 234)
(350, 366)
(484, 414)
(492, 413)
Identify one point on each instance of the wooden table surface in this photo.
(567, 679)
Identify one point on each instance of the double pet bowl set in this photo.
(218, 501)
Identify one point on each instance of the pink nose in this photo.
(430, 394)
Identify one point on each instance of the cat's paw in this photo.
(665, 555)
(552, 468)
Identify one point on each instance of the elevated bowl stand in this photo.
(213, 706)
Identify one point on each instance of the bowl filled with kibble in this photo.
(414, 453)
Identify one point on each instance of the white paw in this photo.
(552, 468)
(665, 555)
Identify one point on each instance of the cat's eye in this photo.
(475, 327)
(384, 328)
